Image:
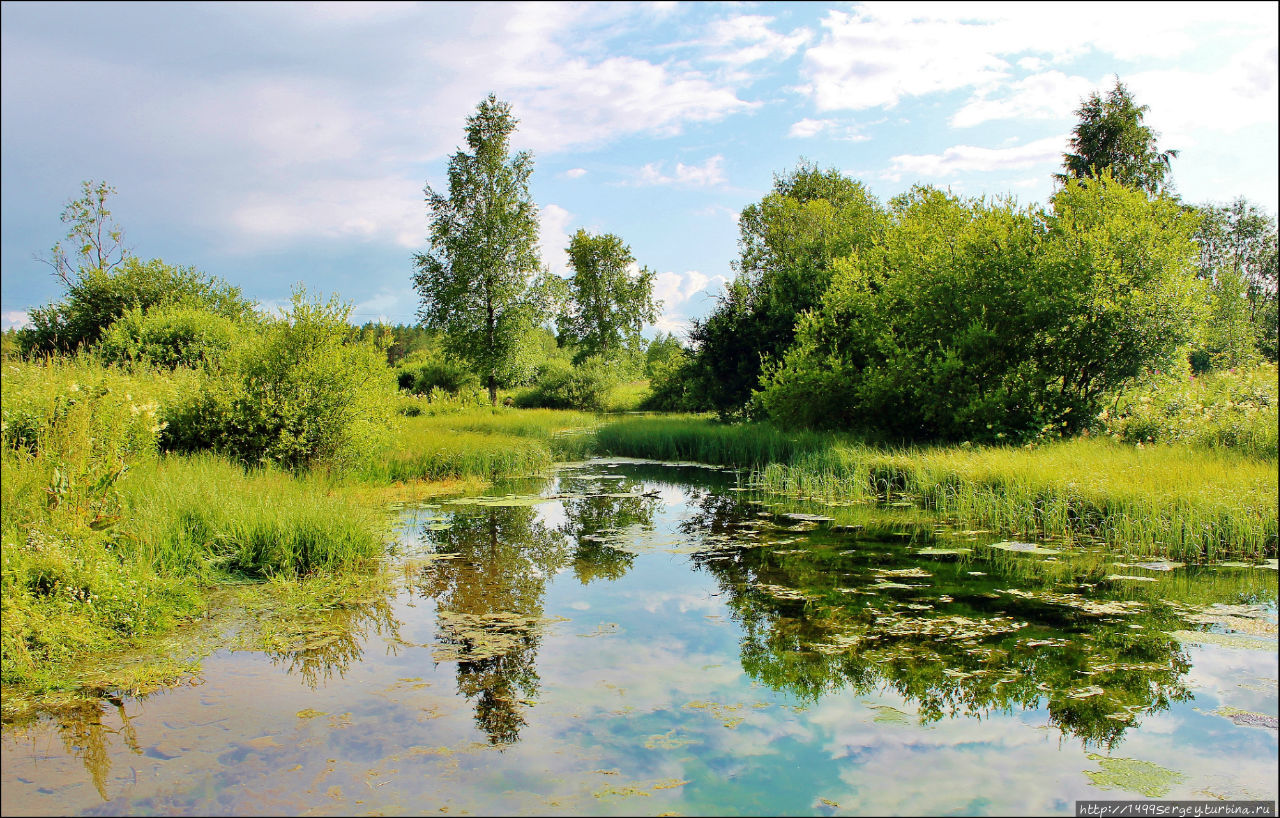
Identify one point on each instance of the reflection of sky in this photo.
(643, 678)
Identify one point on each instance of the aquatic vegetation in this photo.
(1132, 775)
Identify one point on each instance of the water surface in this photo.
(640, 638)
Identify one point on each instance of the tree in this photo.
(981, 321)
(789, 243)
(475, 280)
(1238, 256)
(1110, 136)
(609, 303)
(98, 244)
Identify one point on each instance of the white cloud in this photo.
(747, 38)
(576, 173)
(675, 289)
(673, 324)
(967, 159)
(881, 52)
(553, 232)
(1051, 95)
(709, 174)
(843, 132)
(15, 319)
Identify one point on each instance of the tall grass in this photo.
(1186, 503)
(690, 437)
(1195, 505)
(481, 442)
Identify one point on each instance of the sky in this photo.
(277, 144)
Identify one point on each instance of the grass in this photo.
(1191, 504)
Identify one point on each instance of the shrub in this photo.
(584, 386)
(1234, 409)
(170, 335)
(307, 392)
(447, 376)
(98, 298)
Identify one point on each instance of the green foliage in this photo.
(96, 242)
(1238, 255)
(308, 392)
(1235, 409)
(98, 297)
(584, 386)
(608, 304)
(444, 375)
(982, 321)
(1110, 138)
(474, 281)
(790, 242)
(170, 335)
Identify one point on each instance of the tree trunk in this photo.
(493, 390)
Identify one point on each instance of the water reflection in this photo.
(593, 518)
(488, 591)
(850, 612)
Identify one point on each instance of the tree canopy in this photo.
(608, 301)
(1110, 137)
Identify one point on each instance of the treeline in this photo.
(943, 317)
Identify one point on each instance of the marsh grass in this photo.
(489, 443)
(1186, 503)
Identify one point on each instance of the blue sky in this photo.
(276, 144)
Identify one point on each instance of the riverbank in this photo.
(109, 546)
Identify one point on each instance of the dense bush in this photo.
(444, 375)
(307, 392)
(97, 298)
(983, 321)
(584, 386)
(170, 335)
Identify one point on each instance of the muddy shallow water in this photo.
(640, 638)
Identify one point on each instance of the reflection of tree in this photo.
(595, 516)
(489, 603)
(316, 644)
(830, 618)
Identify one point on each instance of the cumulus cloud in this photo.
(833, 129)
(1048, 95)
(709, 174)
(880, 53)
(15, 319)
(368, 209)
(575, 173)
(967, 159)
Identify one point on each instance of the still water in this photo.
(640, 638)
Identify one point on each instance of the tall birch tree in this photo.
(474, 281)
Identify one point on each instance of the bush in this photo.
(1233, 409)
(170, 335)
(98, 298)
(307, 392)
(585, 386)
(447, 376)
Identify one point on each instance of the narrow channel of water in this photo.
(642, 638)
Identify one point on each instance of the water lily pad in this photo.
(1223, 640)
(1025, 548)
(1246, 718)
(1132, 775)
